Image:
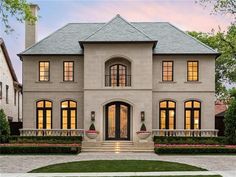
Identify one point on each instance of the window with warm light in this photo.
(68, 115)
(192, 114)
(68, 68)
(44, 71)
(167, 114)
(167, 71)
(193, 71)
(44, 114)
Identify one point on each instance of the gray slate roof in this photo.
(170, 39)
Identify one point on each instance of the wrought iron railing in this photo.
(121, 80)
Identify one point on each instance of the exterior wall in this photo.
(10, 109)
(55, 90)
(180, 90)
(139, 95)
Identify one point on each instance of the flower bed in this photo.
(194, 145)
(195, 149)
(30, 149)
(189, 140)
(39, 145)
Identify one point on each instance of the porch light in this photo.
(92, 116)
(142, 116)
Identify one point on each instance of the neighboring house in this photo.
(120, 74)
(10, 88)
(220, 109)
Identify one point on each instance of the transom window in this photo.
(118, 75)
(193, 71)
(44, 70)
(167, 114)
(44, 114)
(68, 115)
(68, 68)
(167, 71)
(192, 114)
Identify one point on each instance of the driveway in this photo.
(26, 163)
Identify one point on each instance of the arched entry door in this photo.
(117, 121)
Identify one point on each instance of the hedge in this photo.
(188, 140)
(39, 150)
(195, 150)
(46, 139)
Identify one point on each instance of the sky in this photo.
(185, 14)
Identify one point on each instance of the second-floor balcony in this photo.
(118, 80)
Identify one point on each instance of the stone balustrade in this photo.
(184, 132)
(52, 132)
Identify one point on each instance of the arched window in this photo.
(117, 73)
(44, 114)
(68, 114)
(167, 114)
(192, 114)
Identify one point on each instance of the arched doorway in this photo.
(117, 121)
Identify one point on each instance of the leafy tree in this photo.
(19, 9)
(221, 6)
(230, 120)
(4, 127)
(224, 43)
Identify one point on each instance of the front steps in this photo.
(117, 146)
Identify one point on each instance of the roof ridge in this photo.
(193, 38)
(43, 39)
(118, 16)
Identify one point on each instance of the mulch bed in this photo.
(194, 145)
(42, 144)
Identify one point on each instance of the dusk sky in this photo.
(185, 14)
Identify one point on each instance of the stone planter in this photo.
(143, 135)
(92, 134)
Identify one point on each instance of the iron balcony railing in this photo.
(121, 80)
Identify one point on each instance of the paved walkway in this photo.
(25, 163)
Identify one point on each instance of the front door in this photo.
(117, 121)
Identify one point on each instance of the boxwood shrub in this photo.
(195, 150)
(39, 150)
(189, 140)
(46, 139)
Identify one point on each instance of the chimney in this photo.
(31, 29)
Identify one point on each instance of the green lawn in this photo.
(116, 166)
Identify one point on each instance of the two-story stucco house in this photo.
(118, 75)
(10, 88)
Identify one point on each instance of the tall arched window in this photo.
(68, 114)
(167, 114)
(192, 114)
(44, 114)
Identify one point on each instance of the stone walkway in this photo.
(26, 163)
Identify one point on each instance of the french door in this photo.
(117, 121)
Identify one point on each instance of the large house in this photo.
(118, 75)
(10, 88)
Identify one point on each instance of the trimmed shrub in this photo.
(188, 140)
(39, 150)
(92, 127)
(46, 139)
(4, 127)
(195, 150)
(230, 123)
(143, 127)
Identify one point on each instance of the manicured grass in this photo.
(116, 166)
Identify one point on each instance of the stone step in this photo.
(117, 151)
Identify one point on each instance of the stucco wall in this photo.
(10, 109)
(55, 90)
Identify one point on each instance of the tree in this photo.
(230, 120)
(4, 127)
(224, 43)
(18, 9)
(221, 6)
